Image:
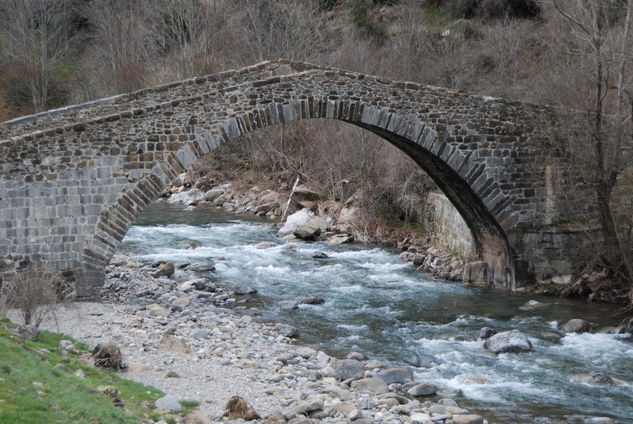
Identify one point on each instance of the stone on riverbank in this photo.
(196, 417)
(169, 402)
(189, 197)
(167, 270)
(467, 419)
(238, 408)
(373, 385)
(512, 341)
(396, 375)
(287, 330)
(348, 368)
(422, 390)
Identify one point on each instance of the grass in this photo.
(34, 390)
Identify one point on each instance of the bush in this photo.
(32, 292)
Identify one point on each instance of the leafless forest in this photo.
(574, 53)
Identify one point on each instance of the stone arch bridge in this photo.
(73, 180)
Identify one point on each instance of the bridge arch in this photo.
(104, 162)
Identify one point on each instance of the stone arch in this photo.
(468, 185)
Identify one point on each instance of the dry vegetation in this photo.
(565, 52)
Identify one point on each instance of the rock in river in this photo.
(512, 341)
(312, 300)
(576, 326)
(201, 267)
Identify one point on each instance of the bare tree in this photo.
(126, 37)
(286, 28)
(600, 45)
(189, 28)
(39, 38)
(32, 292)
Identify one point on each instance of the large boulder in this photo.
(420, 390)
(189, 197)
(174, 344)
(301, 218)
(238, 408)
(396, 375)
(626, 326)
(169, 402)
(201, 267)
(196, 417)
(593, 379)
(512, 341)
(346, 219)
(302, 193)
(348, 368)
(213, 194)
(167, 270)
(308, 231)
(576, 326)
(373, 385)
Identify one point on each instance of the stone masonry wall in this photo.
(446, 226)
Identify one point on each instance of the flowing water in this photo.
(384, 308)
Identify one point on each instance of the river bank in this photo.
(174, 337)
(176, 334)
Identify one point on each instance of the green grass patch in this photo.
(34, 390)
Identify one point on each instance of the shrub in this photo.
(32, 292)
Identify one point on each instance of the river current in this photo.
(377, 305)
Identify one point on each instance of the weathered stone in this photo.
(576, 326)
(422, 390)
(287, 330)
(238, 407)
(308, 231)
(196, 417)
(167, 269)
(593, 379)
(468, 419)
(512, 341)
(168, 402)
(396, 375)
(213, 194)
(348, 368)
(307, 406)
(242, 290)
(373, 385)
(312, 300)
(486, 333)
(201, 267)
(171, 343)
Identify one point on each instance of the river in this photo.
(387, 310)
